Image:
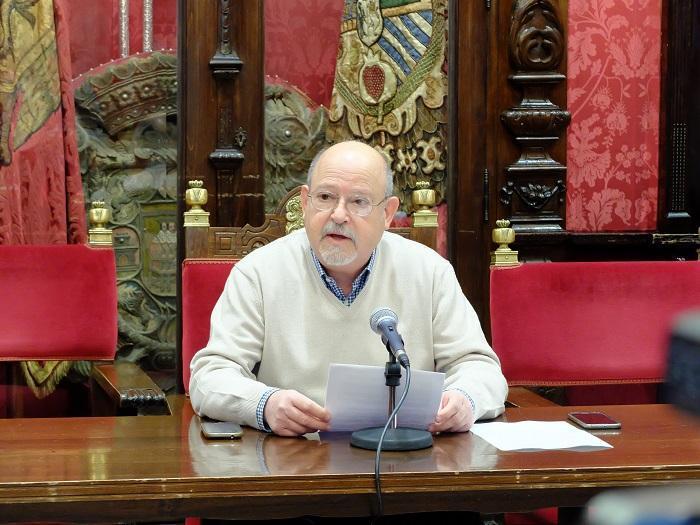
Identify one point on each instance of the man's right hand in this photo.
(289, 413)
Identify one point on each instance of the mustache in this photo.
(331, 228)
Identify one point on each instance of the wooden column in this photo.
(221, 53)
(533, 191)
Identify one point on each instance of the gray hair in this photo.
(388, 174)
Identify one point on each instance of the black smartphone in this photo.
(594, 420)
(220, 429)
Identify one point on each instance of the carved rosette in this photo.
(535, 181)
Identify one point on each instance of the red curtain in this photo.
(613, 96)
(41, 198)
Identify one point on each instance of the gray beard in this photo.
(336, 256)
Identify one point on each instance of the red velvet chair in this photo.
(60, 306)
(589, 323)
(202, 283)
(599, 330)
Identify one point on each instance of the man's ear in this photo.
(304, 197)
(392, 204)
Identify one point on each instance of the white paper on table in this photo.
(357, 397)
(538, 435)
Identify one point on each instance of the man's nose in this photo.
(340, 212)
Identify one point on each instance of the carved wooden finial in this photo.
(196, 197)
(423, 199)
(99, 216)
(503, 235)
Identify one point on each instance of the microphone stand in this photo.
(395, 438)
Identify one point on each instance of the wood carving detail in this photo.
(537, 47)
(127, 142)
(536, 36)
(239, 242)
(131, 92)
(525, 122)
(226, 62)
(534, 196)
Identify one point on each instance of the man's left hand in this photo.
(455, 413)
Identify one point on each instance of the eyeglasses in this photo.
(357, 205)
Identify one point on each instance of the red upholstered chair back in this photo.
(59, 302)
(202, 283)
(588, 323)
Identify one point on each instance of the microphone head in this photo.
(382, 314)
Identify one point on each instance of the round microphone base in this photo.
(395, 439)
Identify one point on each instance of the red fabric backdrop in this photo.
(95, 30)
(613, 96)
(289, 53)
(301, 44)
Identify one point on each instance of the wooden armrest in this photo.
(519, 396)
(127, 390)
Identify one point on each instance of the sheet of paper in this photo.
(538, 435)
(357, 397)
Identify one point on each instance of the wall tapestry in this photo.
(391, 87)
(307, 64)
(41, 200)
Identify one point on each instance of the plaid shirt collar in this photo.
(357, 285)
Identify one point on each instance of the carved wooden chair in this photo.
(61, 315)
(212, 251)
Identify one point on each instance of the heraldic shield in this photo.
(390, 89)
(388, 59)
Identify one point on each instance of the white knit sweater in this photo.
(276, 311)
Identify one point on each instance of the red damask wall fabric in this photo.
(290, 53)
(41, 198)
(613, 96)
(94, 30)
(301, 44)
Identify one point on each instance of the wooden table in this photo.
(160, 468)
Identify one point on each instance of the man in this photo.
(295, 306)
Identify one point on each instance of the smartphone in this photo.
(594, 420)
(220, 429)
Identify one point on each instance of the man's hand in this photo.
(290, 413)
(455, 413)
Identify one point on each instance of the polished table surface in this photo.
(160, 468)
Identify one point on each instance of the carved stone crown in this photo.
(131, 91)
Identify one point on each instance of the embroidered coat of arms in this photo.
(391, 85)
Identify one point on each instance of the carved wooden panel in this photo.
(127, 144)
(221, 103)
(534, 188)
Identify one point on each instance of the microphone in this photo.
(383, 321)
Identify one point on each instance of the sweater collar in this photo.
(357, 285)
